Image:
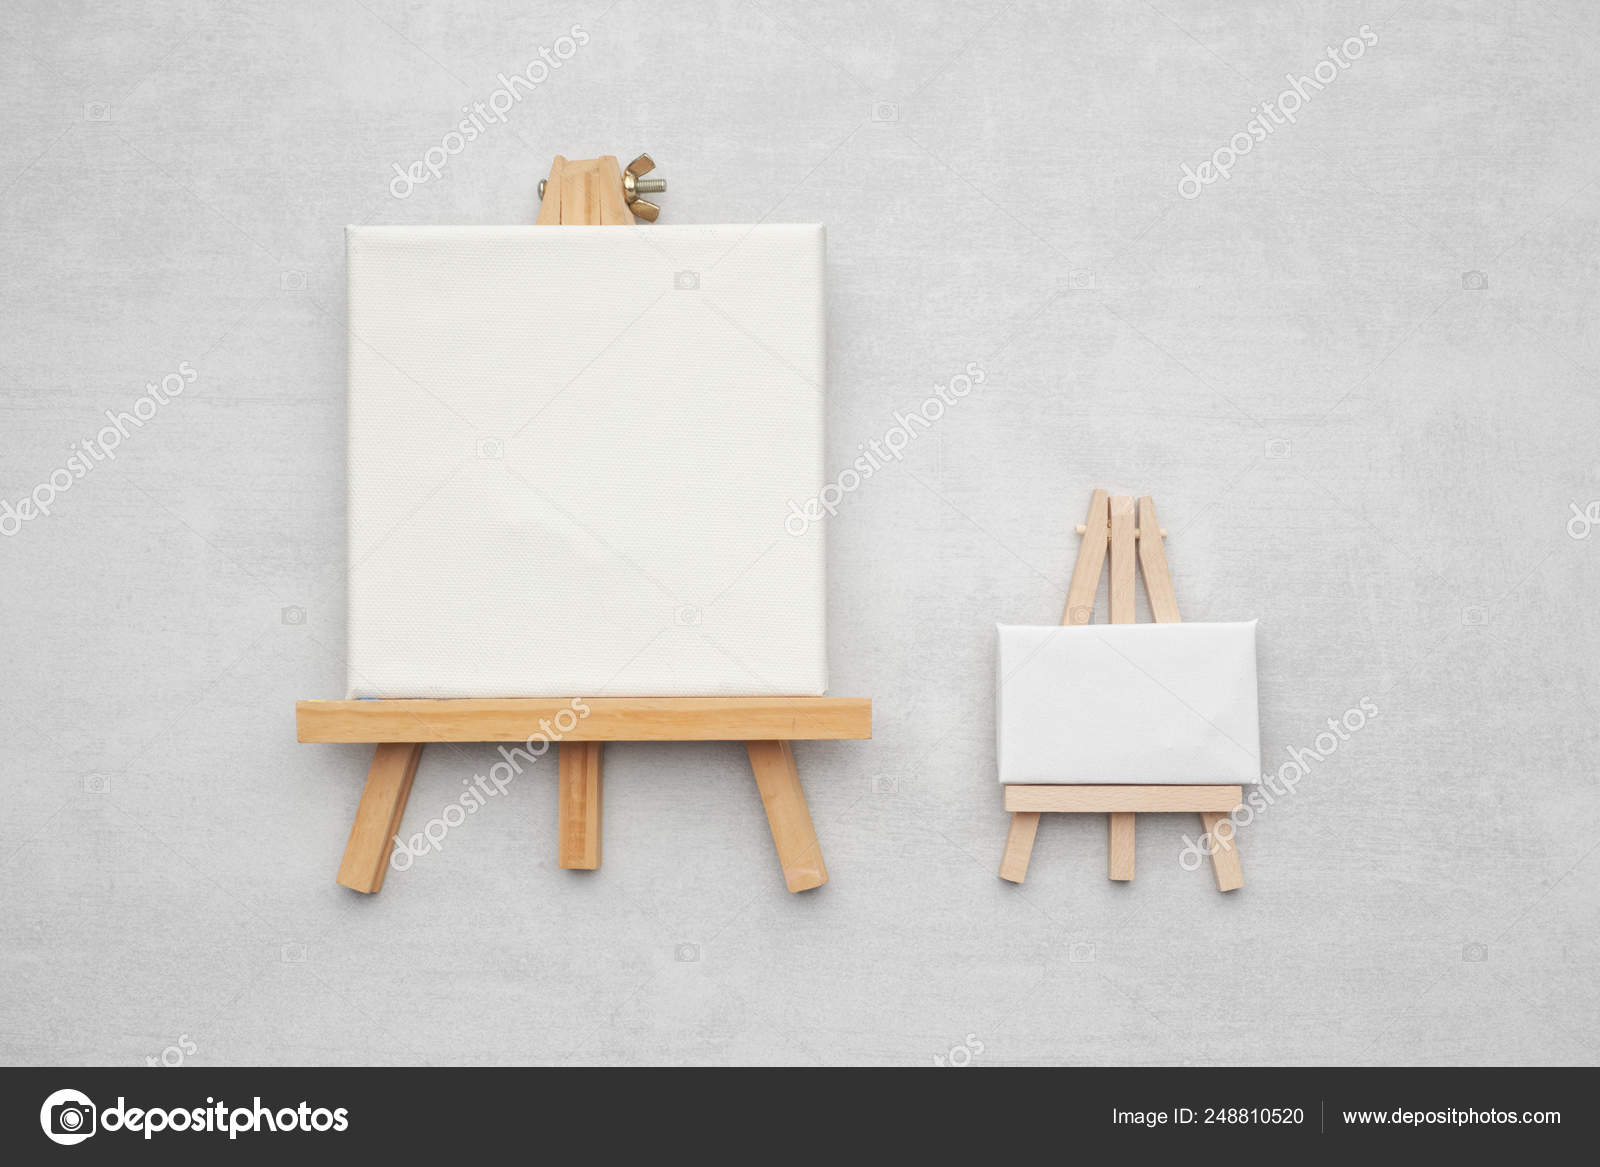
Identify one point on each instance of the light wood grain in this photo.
(613, 205)
(1091, 558)
(1121, 608)
(1224, 851)
(550, 205)
(598, 719)
(1153, 565)
(1123, 799)
(580, 194)
(383, 804)
(1019, 846)
(778, 779)
(1120, 846)
(578, 805)
(1121, 829)
(585, 192)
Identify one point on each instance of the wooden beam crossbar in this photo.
(592, 719)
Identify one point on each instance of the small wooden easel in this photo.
(1111, 523)
(589, 192)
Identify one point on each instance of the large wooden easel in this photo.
(595, 191)
(1111, 523)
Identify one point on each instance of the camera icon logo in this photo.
(292, 281)
(1474, 281)
(96, 784)
(885, 111)
(686, 281)
(293, 614)
(1277, 449)
(96, 111)
(68, 1117)
(1080, 279)
(1082, 952)
(686, 953)
(885, 784)
(1475, 616)
(1474, 953)
(491, 448)
(686, 616)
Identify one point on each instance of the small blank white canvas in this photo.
(572, 452)
(1163, 704)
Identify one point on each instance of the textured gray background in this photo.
(1344, 438)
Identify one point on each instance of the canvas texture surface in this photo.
(1127, 703)
(572, 451)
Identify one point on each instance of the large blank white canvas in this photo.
(1128, 703)
(571, 455)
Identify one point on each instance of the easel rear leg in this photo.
(1119, 846)
(578, 805)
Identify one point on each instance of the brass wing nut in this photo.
(635, 184)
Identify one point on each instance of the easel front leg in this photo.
(578, 806)
(383, 803)
(778, 779)
(1019, 845)
(1224, 850)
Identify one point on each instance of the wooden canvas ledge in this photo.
(1123, 799)
(609, 719)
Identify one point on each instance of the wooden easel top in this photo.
(597, 191)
